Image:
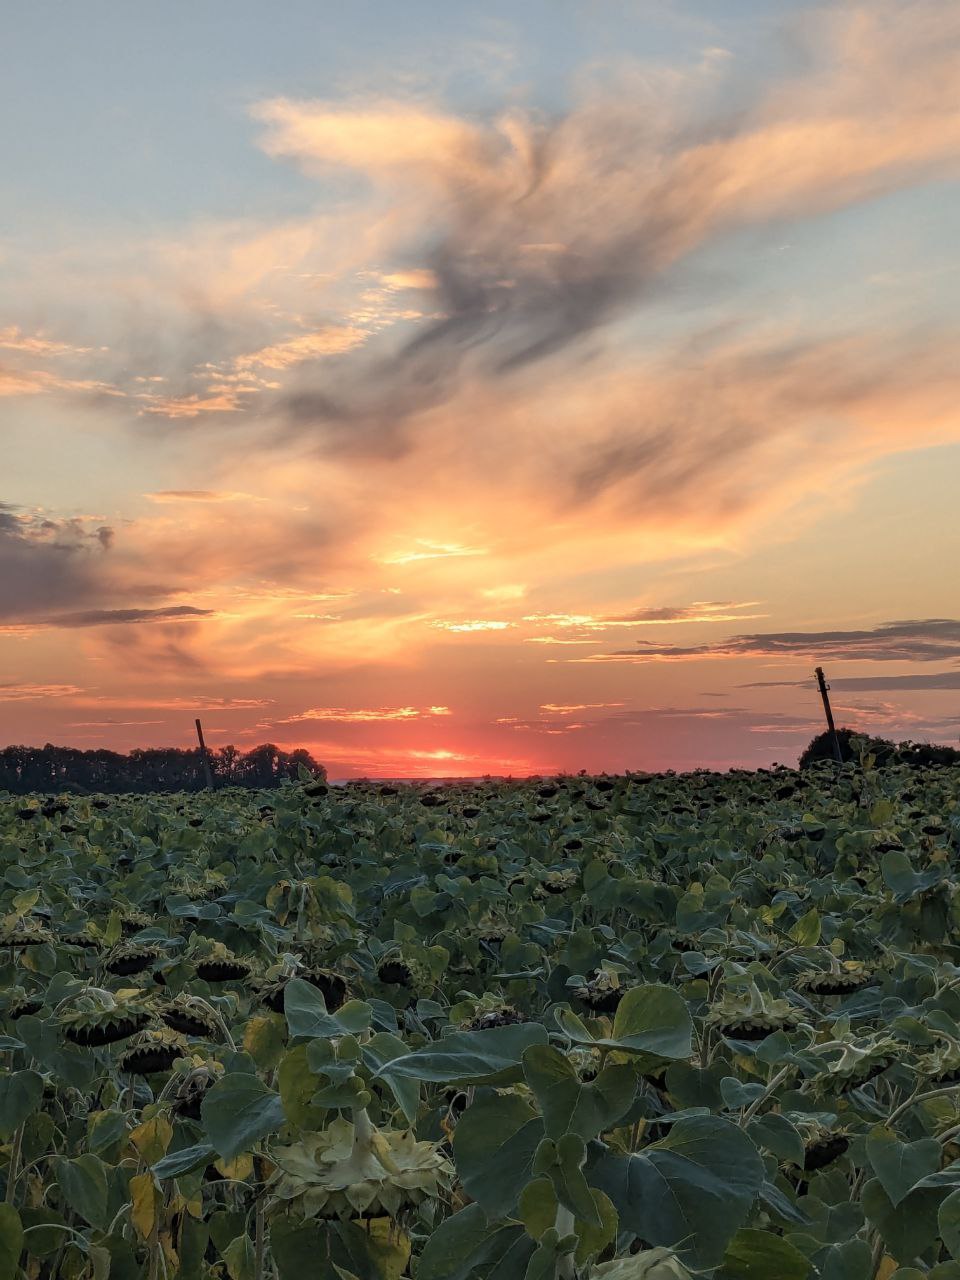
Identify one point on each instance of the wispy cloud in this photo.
(119, 617)
(427, 550)
(305, 346)
(365, 715)
(31, 692)
(199, 495)
(475, 624)
(922, 640)
(919, 683)
(12, 338)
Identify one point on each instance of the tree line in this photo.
(55, 769)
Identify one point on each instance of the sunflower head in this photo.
(333, 1174)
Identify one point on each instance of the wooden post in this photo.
(204, 756)
(831, 727)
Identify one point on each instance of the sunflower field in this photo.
(649, 1027)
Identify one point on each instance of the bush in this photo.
(853, 745)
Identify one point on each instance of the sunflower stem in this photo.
(14, 1166)
(565, 1224)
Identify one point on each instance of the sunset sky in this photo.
(460, 388)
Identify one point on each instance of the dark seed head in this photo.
(824, 1151)
(396, 973)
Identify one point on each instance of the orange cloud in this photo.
(28, 692)
(476, 624)
(14, 339)
(343, 715)
(307, 346)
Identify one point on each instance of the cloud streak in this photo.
(922, 640)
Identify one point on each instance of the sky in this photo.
(456, 389)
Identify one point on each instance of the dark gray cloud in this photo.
(852, 684)
(919, 640)
(674, 613)
(47, 563)
(123, 617)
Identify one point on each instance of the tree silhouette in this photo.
(51, 768)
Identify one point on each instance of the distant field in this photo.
(653, 1026)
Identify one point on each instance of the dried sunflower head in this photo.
(331, 986)
(152, 1051)
(942, 1066)
(555, 882)
(219, 964)
(751, 1015)
(132, 920)
(101, 1023)
(189, 1018)
(602, 991)
(838, 981)
(20, 1002)
(24, 933)
(398, 970)
(499, 1015)
(337, 1174)
(860, 1064)
(79, 938)
(131, 958)
(823, 1150)
(193, 1088)
(585, 1061)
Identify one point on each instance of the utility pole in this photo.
(204, 756)
(831, 727)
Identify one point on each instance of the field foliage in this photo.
(646, 1027)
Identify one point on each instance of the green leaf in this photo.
(43, 1231)
(307, 1016)
(185, 1161)
(493, 1147)
(381, 1049)
(297, 1246)
(907, 1228)
(465, 1245)
(21, 1093)
(83, 1184)
(899, 874)
(775, 1133)
(594, 1239)
(652, 1019)
(568, 1104)
(569, 1181)
(948, 1220)
(900, 1165)
(297, 1085)
(470, 1057)
(806, 932)
(692, 1191)
(758, 1255)
(239, 1257)
(538, 1207)
(851, 1260)
(11, 1242)
(237, 1112)
(948, 1177)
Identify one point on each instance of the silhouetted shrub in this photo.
(853, 745)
